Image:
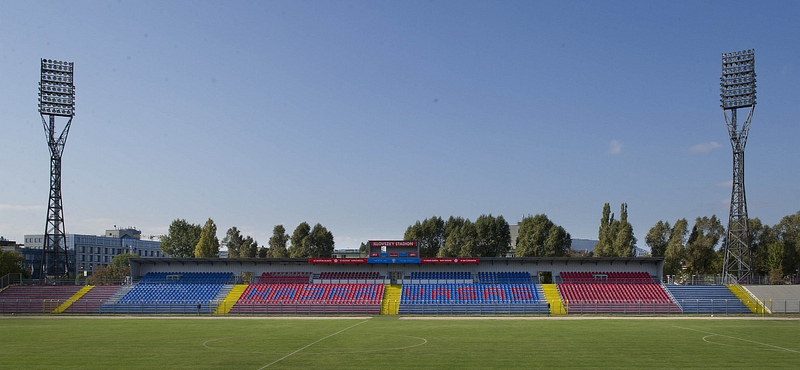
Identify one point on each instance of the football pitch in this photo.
(255, 343)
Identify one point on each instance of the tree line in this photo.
(488, 236)
(775, 250)
(700, 250)
(187, 240)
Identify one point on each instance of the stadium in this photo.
(395, 281)
(396, 310)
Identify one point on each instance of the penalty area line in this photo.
(741, 339)
(311, 344)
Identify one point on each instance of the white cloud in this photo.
(704, 147)
(615, 147)
(725, 184)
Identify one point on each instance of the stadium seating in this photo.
(606, 277)
(706, 299)
(284, 278)
(186, 278)
(472, 299)
(440, 277)
(173, 292)
(310, 298)
(616, 298)
(92, 300)
(349, 275)
(517, 277)
(36, 298)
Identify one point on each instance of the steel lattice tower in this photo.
(56, 99)
(738, 90)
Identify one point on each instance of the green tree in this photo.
(115, 273)
(181, 239)
(461, 238)
(277, 243)
(429, 235)
(208, 246)
(701, 257)
(233, 241)
(363, 250)
(320, 242)
(787, 232)
(249, 248)
(606, 234)
(624, 241)
(11, 263)
(299, 247)
(540, 237)
(123, 261)
(493, 236)
(615, 236)
(776, 253)
(761, 236)
(658, 238)
(675, 252)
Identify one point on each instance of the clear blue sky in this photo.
(366, 116)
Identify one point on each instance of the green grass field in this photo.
(395, 343)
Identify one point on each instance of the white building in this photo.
(92, 251)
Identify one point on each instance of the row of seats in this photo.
(312, 293)
(616, 298)
(171, 293)
(439, 275)
(349, 275)
(35, 299)
(310, 299)
(472, 299)
(514, 277)
(186, 278)
(92, 300)
(591, 292)
(469, 293)
(284, 278)
(638, 277)
(706, 299)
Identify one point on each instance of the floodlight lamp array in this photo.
(738, 81)
(56, 89)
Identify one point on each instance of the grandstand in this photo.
(172, 292)
(310, 298)
(401, 285)
(706, 299)
(35, 299)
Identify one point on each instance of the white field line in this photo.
(311, 344)
(740, 339)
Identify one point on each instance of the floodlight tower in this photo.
(738, 90)
(56, 99)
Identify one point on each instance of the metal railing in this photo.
(10, 279)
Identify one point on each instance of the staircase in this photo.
(230, 299)
(553, 299)
(748, 299)
(390, 304)
(63, 307)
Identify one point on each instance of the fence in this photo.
(10, 279)
(718, 280)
